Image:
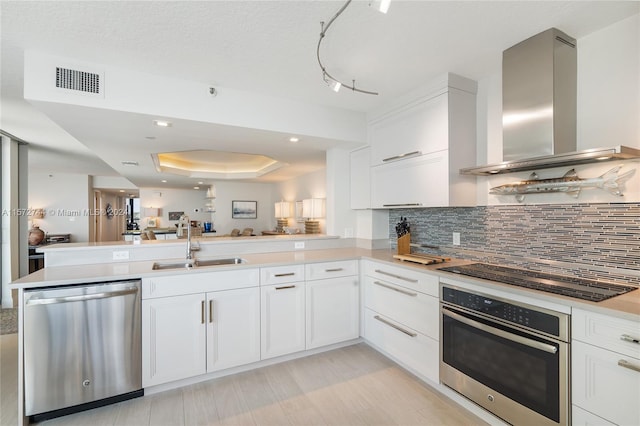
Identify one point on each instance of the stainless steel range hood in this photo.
(539, 108)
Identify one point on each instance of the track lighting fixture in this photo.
(333, 82)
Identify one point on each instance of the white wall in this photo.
(311, 185)
(186, 200)
(65, 198)
(607, 114)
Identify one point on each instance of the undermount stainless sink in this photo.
(197, 263)
(217, 262)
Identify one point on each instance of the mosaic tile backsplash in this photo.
(606, 236)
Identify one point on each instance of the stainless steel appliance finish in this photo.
(580, 288)
(539, 99)
(539, 78)
(82, 344)
(510, 358)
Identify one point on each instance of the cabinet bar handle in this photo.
(285, 287)
(286, 274)
(631, 339)
(411, 280)
(402, 205)
(202, 312)
(211, 310)
(626, 364)
(334, 270)
(399, 290)
(397, 157)
(392, 325)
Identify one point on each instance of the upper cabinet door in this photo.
(415, 129)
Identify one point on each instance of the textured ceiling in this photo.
(269, 47)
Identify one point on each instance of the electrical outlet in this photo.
(456, 238)
(121, 255)
(299, 244)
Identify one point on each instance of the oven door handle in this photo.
(500, 333)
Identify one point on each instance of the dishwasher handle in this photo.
(81, 297)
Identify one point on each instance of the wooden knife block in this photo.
(404, 244)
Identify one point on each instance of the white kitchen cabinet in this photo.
(419, 127)
(417, 182)
(402, 316)
(359, 178)
(606, 366)
(282, 318)
(173, 338)
(188, 331)
(332, 303)
(233, 328)
(414, 350)
(437, 123)
(580, 417)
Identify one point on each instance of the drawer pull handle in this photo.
(403, 205)
(211, 310)
(397, 157)
(202, 312)
(285, 287)
(399, 290)
(631, 339)
(411, 280)
(286, 274)
(626, 364)
(334, 270)
(392, 325)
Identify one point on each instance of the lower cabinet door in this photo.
(233, 328)
(282, 319)
(332, 311)
(173, 338)
(416, 351)
(606, 383)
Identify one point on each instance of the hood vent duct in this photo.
(539, 79)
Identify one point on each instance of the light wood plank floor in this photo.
(354, 385)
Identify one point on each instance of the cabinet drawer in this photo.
(405, 277)
(416, 351)
(320, 271)
(408, 307)
(281, 274)
(607, 332)
(604, 387)
(191, 281)
(580, 417)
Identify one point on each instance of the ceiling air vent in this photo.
(77, 80)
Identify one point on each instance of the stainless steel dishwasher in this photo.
(82, 347)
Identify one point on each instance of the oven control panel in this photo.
(511, 312)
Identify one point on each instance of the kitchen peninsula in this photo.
(292, 301)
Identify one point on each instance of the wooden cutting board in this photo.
(425, 259)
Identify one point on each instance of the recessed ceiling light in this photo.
(200, 183)
(129, 163)
(293, 139)
(163, 181)
(150, 137)
(162, 123)
(196, 187)
(122, 190)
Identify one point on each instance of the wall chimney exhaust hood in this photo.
(539, 78)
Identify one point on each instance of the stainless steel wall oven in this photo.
(508, 357)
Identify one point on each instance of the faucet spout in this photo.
(189, 255)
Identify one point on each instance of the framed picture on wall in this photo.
(175, 215)
(244, 209)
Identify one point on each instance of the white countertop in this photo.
(624, 306)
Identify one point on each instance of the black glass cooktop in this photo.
(585, 289)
